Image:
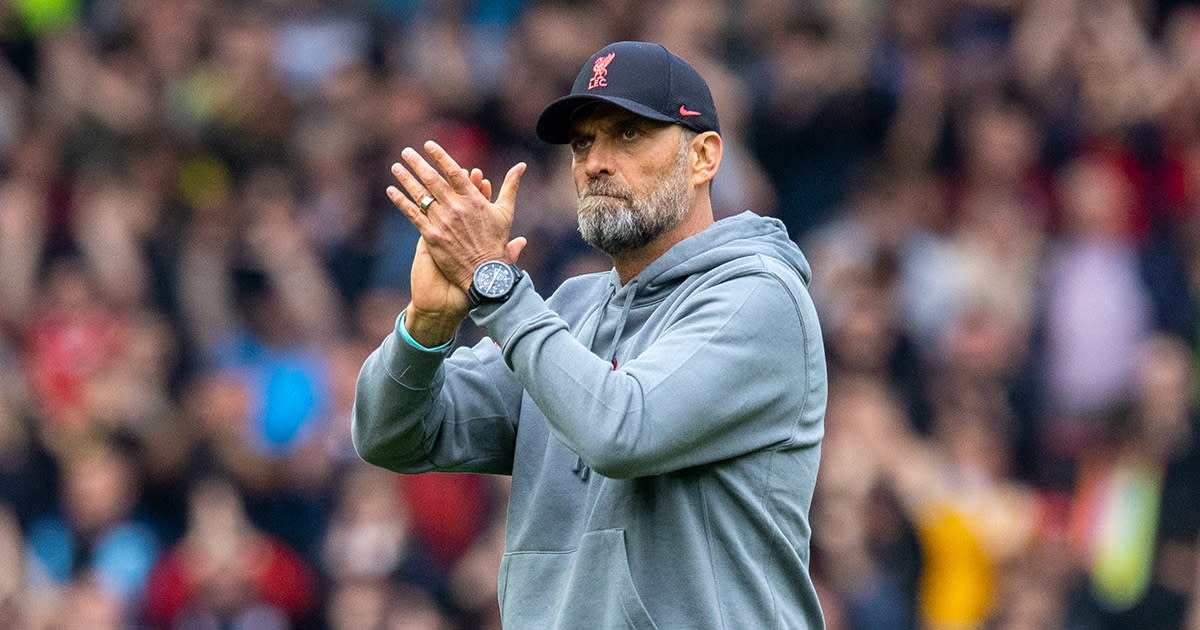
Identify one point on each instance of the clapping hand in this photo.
(460, 228)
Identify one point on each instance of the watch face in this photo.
(493, 279)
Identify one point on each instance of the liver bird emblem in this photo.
(599, 70)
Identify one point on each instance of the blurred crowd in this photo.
(1000, 200)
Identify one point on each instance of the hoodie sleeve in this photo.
(739, 368)
(416, 410)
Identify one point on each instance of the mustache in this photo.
(606, 188)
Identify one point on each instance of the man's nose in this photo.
(599, 159)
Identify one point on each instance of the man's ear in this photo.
(706, 157)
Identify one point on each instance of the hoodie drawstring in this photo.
(616, 338)
(581, 469)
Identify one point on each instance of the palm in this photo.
(432, 293)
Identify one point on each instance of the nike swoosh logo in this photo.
(684, 111)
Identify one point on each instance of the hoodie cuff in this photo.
(408, 362)
(414, 343)
(505, 320)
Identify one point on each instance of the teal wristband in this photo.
(413, 342)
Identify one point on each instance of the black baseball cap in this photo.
(644, 78)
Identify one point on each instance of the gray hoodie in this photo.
(662, 436)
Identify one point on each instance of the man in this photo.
(662, 421)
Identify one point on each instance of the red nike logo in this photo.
(684, 111)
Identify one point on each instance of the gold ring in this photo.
(425, 202)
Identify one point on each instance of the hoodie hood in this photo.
(731, 238)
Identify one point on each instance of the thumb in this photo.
(514, 247)
(507, 198)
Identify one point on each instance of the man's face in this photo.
(632, 177)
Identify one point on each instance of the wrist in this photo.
(429, 331)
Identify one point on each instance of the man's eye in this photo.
(629, 133)
(580, 144)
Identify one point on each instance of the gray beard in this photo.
(613, 221)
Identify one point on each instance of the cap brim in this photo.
(554, 125)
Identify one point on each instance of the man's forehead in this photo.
(600, 115)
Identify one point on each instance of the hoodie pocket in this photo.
(601, 586)
(589, 588)
(502, 580)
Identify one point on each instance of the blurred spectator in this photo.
(225, 572)
(860, 298)
(273, 310)
(450, 511)
(1096, 308)
(1136, 521)
(73, 339)
(370, 537)
(690, 29)
(970, 518)
(27, 472)
(1001, 208)
(315, 41)
(872, 563)
(816, 121)
(97, 535)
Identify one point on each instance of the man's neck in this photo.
(630, 264)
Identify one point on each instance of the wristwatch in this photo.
(493, 282)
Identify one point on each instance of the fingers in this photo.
(514, 248)
(411, 185)
(405, 205)
(426, 177)
(455, 174)
(445, 182)
(483, 185)
(507, 198)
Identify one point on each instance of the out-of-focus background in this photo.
(1000, 199)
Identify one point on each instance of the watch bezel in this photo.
(476, 296)
(490, 294)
